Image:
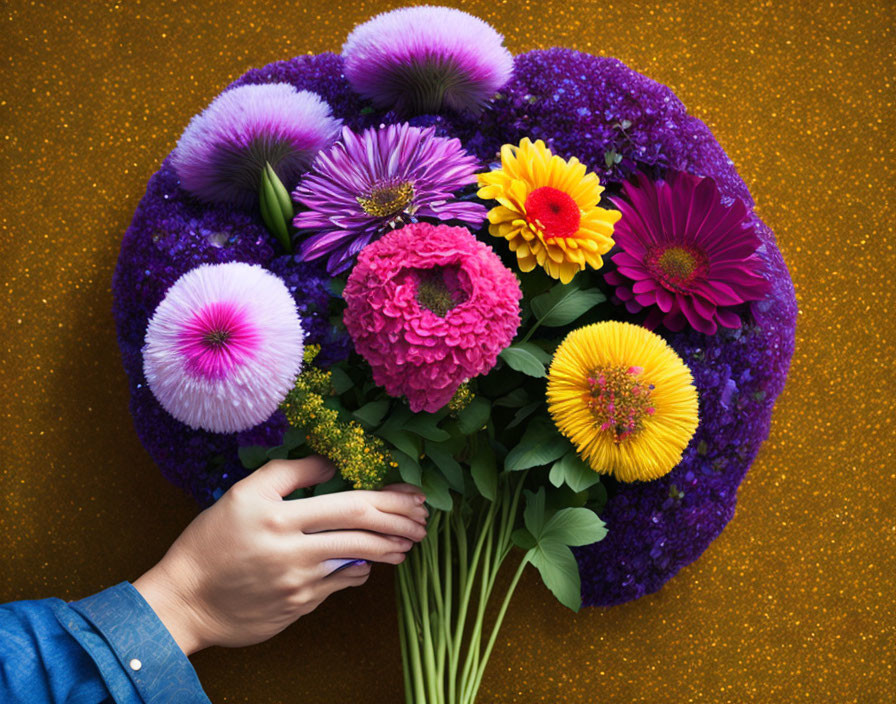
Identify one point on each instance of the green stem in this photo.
(429, 655)
(410, 624)
(477, 679)
(403, 640)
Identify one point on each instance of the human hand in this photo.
(251, 564)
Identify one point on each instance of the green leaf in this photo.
(293, 438)
(573, 526)
(559, 571)
(522, 539)
(541, 444)
(405, 442)
(340, 381)
(435, 487)
(284, 202)
(524, 413)
(576, 473)
(557, 476)
(409, 468)
(448, 466)
(271, 213)
(426, 426)
(253, 456)
(533, 514)
(484, 470)
(336, 286)
(522, 360)
(563, 304)
(280, 452)
(541, 355)
(597, 498)
(515, 399)
(372, 413)
(474, 416)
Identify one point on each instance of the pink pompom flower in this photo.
(429, 307)
(224, 347)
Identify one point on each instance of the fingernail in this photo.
(419, 498)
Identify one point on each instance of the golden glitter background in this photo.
(794, 602)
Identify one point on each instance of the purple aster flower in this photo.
(222, 152)
(683, 254)
(369, 183)
(421, 59)
(224, 347)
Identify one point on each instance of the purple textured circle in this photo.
(615, 121)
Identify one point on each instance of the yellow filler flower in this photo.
(624, 398)
(548, 210)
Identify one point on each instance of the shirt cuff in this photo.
(145, 649)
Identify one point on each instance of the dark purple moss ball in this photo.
(615, 121)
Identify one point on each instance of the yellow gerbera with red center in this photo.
(548, 210)
(624, 398)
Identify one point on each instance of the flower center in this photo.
(676, 266)
(218, 338)
(619, 400)
(554, 212)
(442, 288)
(387, 200)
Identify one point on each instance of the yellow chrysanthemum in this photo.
(624, 398)
(548, 210)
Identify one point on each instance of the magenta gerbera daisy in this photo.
(224, 346)
(429, 307)
(222, 152)
(685, 255)
(369, 183)
(421, 59)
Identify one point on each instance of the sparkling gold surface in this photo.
(793, 603)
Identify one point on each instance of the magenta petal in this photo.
(644, 286)
(623, 293)
(633, 307)
(612, 278)
(654, 319)
(719, 292)
(647, 299)
(635, 273)
(727, 318)
(664, 299)
(627, 260)
(705, 309)
(675, 321)
(694, 318)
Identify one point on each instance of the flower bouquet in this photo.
(533, 286)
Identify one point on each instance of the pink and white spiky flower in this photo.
(224, 347)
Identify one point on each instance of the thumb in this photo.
(279, 478)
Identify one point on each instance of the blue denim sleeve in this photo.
(109, 647)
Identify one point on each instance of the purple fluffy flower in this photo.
(222, 152)
(421, 59)
(369, 183)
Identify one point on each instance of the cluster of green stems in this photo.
(444, 589)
